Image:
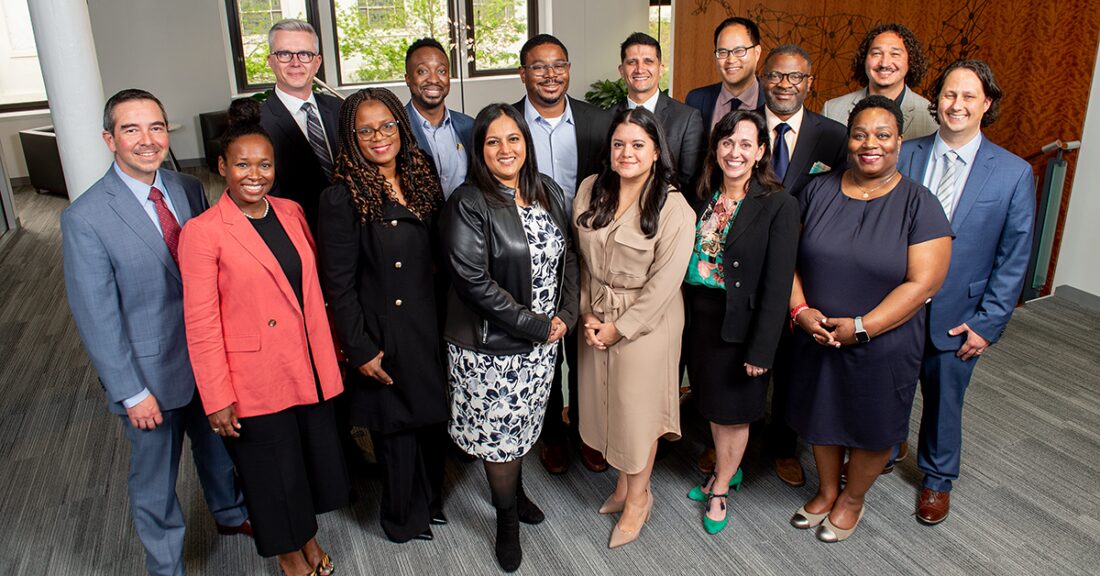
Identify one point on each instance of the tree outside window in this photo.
(249, 22)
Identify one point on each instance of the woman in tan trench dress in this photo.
(634, 237)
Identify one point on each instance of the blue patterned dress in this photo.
(498, 402)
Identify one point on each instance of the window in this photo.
(372, 35)
(249, 21)
(660, 27)
(21, 85)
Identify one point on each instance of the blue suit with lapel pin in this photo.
(126, 296)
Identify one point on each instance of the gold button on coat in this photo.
(397, 264)
(397, 302)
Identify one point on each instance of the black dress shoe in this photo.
(425, 535)
(438, 518)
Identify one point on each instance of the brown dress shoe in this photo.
(790, 472)
(553, 458)
(706, 461)
(933, 506)
(592, 459)
(244, 528)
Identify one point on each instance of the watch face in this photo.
(862, 337)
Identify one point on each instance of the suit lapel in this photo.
(242, 231)
(918, 160)
(806, 140)
(418, 131)
(133, 214)
(746, 214)
(330, 117)
(284, 120)
(178, 195)
(975, 185)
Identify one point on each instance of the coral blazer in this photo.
(246, 333)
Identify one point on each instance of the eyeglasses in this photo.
(738, 52)
(795, 78)
(544, 69)
(386, 130)
(304, 56)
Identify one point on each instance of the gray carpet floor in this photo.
(1028, 501)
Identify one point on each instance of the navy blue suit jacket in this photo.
(464, 127)
(704, 98)
(989, 256)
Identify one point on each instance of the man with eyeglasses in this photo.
(443, 134)
(804, 144)
(887, 63)
(302, 124)
(641, 70)
(568, 136)
(736, 53)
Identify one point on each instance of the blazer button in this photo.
(397, 264)
(736, 284)
(397, 302)
(736, 264)
(393, 223)
(271, 323)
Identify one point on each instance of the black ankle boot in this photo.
(509, 554)
(529, 513)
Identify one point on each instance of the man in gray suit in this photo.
(641, 70)
(124, 289)
(888, 63)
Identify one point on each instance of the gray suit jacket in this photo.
(686, 136)
(125, 290)
(914, 107)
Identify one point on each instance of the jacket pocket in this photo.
(978, 288)
(248, 343)
(633, 254)
(144, 348)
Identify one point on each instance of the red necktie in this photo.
(168, 225)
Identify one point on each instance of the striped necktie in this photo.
(945, 191)
(169, 227)
(317, 140)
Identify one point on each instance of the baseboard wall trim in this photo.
(1079, 297)
(20, 181)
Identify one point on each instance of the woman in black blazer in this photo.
(738, 284)
(378, 271)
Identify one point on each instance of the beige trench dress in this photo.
(629, 393)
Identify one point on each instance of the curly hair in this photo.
(369, 189)
(917, 63)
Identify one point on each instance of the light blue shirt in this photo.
(936, 164)
(140, 191)
(446, 148)
(555, 149)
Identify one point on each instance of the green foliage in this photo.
(662, 15)
(374, 51)
(606, 93)
(498, 26)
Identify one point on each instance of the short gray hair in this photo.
(292, 25)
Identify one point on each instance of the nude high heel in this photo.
(612, 506)
(620, 537)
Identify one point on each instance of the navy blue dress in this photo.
(852, 254)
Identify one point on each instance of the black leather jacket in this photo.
(486, 252)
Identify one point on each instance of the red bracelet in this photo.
(798, 310)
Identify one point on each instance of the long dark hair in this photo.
(605, 192)
(530, 187)
(762, 173)
(419, 182)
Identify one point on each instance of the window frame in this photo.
(236, 45)
(472, 71)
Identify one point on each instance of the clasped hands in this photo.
(833, 332)
(597, 334)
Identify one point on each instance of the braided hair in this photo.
(369, 189)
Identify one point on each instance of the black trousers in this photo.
(412, 482)
(554, 430)
(780, 440)
(291, 468)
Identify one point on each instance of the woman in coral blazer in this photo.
(262, 350)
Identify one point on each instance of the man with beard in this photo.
(804, 144)
(889, 60)
(569, 140)
(443, 134)
(641, 70)
(736, 53)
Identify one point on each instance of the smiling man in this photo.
(443, 134)
(302, 124)
(641, 70)
(736, 53)
(888, 62)
(988, 194)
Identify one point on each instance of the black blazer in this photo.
(758, 262)
(685, 134)
(298, 173)
(591, 125)
(487, 254)
(704, 98)
(819, 140)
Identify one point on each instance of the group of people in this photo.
(426, 276)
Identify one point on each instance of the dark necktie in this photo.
(317, 140)
(781, 157)
(168, 225)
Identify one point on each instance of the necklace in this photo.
(267, 208)
(865, 192)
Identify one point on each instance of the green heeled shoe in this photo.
(715, 526)
(699, 495)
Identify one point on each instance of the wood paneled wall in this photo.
(1043, 54)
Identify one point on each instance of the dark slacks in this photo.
(553, 429)
(291, 468)
(943, 382)
(412, 483)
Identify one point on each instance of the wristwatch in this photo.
(861, 335)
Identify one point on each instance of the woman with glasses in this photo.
(377, 255)
(513, 296)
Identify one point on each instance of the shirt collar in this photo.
(425, 123)
(139, 188)
(795, 121)
(650, 104)
(967, 152)
(752, 91)
(294, 103)
(532, 115)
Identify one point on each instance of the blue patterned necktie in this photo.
(317, 140)
(781, 157)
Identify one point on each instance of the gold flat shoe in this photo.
(804, 520)
(831, 534)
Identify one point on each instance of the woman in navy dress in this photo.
(875, 246)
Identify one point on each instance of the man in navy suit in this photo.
(988, 194)
(126, 296)
(443, 134)
(736, 53)
(302, 124)
(804, 144)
